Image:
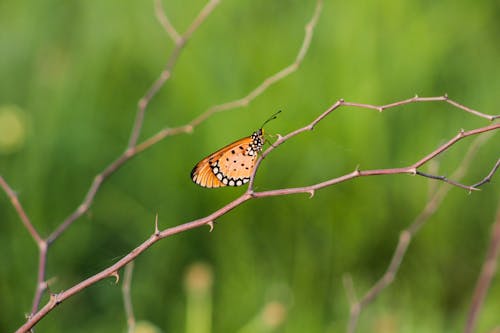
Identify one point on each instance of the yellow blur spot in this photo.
(146, 327)
(12, 129)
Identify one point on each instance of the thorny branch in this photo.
(406, 236)
(248, 195)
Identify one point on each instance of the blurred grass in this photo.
(75, 71)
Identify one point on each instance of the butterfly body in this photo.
(231, 165)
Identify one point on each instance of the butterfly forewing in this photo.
(230, 166)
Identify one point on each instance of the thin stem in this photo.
(245, 101)
(41, 284)
(127, 298)
(486, 276)
(20, 211)
(165, 22)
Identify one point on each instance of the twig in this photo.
(127, 298)
(416, 98)
(487, 273)
(407, 235)
(180, 42)
(20, 211)
(487, 179)
(248, 195)
(165, 22)
(40, 242)
(412, 169)
(41, 284)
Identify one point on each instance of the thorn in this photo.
(341, 101)
(116, 276)
(54, 299)
(311, 194)
(380, 109)
(462, 131)
(413, 171)
(211, 225)
(357, 171)
(445, 96)
(157, 231)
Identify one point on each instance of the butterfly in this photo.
(233, 164)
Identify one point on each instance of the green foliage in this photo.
(73, 72)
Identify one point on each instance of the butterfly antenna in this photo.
(274, 116)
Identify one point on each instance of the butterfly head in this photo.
(258, 141)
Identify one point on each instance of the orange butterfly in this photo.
(232, 165)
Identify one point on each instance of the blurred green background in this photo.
(72, 73)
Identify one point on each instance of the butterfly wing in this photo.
(202, 173)
(230, 166)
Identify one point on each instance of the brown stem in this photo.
(14, 200)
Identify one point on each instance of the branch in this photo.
(41, 285)
(245, 101)
(407, 235)
(487, 274)
(20, 211)
(248, 195)
(414, 99)
(136, 149)
(487, 179)
(165, 22)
